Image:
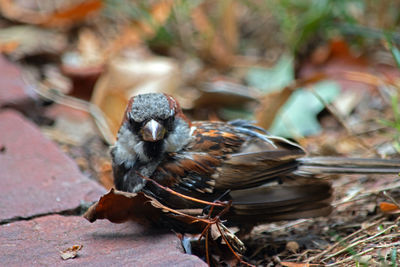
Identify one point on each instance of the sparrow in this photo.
(266, 178)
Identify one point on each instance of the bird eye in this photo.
(135, 126)
(169, 123)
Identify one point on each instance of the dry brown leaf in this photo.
(72, 15)
(71, 252)
(118, 207)
(67, 15)
(387, 207)
(270, 105)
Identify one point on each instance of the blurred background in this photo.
(324, 73)
(222, 59)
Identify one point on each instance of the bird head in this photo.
(153, 124)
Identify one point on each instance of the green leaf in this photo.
(272, 79)
(298, 117)
(393, 49)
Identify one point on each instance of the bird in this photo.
(266, 178)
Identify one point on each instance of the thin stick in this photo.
(361, 241)
(195, 219)
(367, 193)
(205, 231)
(207, 255)
(350, 258)
(343, 240)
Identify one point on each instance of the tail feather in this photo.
(338, 165)
(294, 199)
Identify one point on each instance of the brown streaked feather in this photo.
(222, 156)
(215, 138)
(189, 169)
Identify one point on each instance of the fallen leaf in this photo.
(118, 207)
(272, 79)
(71, 252)
(270, 105)
(272, 102)
(387, 207)
(298, 117)
(73, 14)
(67, 14)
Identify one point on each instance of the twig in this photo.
(206, 240)
(350, 258)
(361, 241)
(368, 193)
(395, 244)
(316, 257)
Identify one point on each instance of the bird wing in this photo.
(222, 156)
(297, 197)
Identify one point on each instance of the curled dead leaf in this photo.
(118, 207)
(71, 252)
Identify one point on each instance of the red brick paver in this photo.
(38, 242)
(36, 177)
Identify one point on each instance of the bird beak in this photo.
(153, 131)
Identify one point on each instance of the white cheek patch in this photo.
(179, 138)
(128, 148)
(140, 151)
